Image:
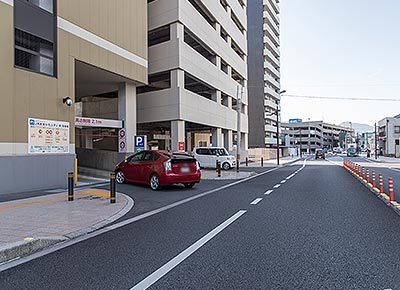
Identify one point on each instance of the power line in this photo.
(342, 85)
(342, 98)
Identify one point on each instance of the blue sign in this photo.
(31, 122)
(139, 141)
(291, 121)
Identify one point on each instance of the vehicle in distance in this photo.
(352, 150)
(319, 153)
(159, 168)
(208, 156)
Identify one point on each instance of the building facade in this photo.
(197, 61)
(389, 136)
(59, 61)
(264, 71)
(311, 135)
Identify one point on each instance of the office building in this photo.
(389, 136)
(263, 71)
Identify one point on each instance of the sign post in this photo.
(140, 143)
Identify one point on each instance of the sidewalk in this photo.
(28, 225)
(383, 159)
(245, 172)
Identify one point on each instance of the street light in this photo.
(277, 127)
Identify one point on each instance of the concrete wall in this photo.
(28, 173)
(99, 159)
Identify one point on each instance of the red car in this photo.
(159, 168)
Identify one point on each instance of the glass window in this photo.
(137, 157)
(44, 4)
(397, 129)
(33, 53)
(148, 156)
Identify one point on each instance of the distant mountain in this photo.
(358, 128)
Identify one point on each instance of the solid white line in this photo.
(68, 243)
(276, 186)
(93, 38)
(155, 276)
(257, 200)
(268, 192)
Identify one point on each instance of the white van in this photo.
(208, 156)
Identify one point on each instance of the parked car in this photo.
(208, 156)
(159, 168)
(319, 153)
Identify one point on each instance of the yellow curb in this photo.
(98, 192)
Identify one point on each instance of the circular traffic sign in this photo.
(122, 145)
(122, 133)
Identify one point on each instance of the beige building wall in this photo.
(25, 94)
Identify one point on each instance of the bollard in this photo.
(262, 161)
(368, 180)
(247, 161)
(391, 189)
(70, 186)
(362, 172)
(112, 188)
(218, 165)
(380, 183)
(373, 179)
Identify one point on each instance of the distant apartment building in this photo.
(310, 135)
(263, 71)
(197, 60)
(389, 136)
(69, 73)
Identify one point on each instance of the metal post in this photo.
(376, 145)
(239, 111)
(218, 165)
(301, 154)
(247, 161)
(262, 161)
(112, 188)
(277, 134)
(70, 186)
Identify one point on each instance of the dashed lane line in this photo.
(268, 192)
(257, 200)
(283, 181)
(163, 270)
(276, 186)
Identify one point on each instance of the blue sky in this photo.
(340, 48)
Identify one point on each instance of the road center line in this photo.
(283, 181)
(257, 200)
(155, 276)
(276, 186)
(268, 192)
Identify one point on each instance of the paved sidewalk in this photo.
(383, 159)
(245, 172)
(33, 223)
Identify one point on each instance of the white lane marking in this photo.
(74, 241)
(290, 176)
(268, 192)
(257, 200)
(283, 181)
(155, 276)
(276, 186)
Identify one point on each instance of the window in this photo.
(397, 129)
(224, 34)
(224, 66)
(137, 157)
(33, 53)
(159, 35)
(202, 151)
(44, 4)
(203, 11)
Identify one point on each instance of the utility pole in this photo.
(239, 94)
(277, 127)
(301, 154)
(376, 145)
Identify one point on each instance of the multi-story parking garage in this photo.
(197, 59)
(69, 71)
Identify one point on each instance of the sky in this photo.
(340, 48)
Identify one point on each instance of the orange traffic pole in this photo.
(367, 175)
(373, 179)
(380, 183)
(391, 189)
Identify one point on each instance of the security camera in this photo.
(67, 101)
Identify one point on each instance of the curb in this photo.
(13, 251)
(382, 196)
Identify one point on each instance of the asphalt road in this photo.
(386, 169)
(319, 229)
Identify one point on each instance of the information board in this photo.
(47, 136)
